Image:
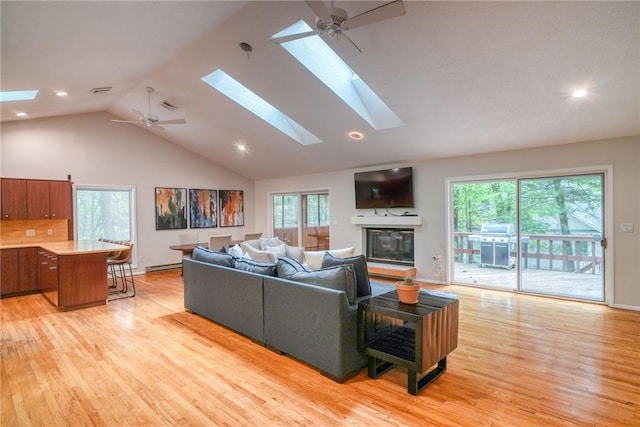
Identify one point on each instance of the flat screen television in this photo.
(389, 188)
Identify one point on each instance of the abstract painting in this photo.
(171, 208)
(231, 208)
(203, 208)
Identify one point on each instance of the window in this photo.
(302, 219)
(236, 91)
(324, 63)
(317, 209)
(104, 212)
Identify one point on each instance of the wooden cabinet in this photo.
(14, 198)
(60, 200)
(9, 274)
(73, 281)
(19, 272)
(36, 199)
(48, 199)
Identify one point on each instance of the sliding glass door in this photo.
(562, 221)
(302, 219)
(539, 235)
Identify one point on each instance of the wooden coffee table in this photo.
(415, 336)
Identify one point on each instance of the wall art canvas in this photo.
(203, 208)
(171, 208)
(231, 208)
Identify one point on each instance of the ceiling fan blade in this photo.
(170, 122)
(380, 13)
(292, 37)
(350, 46)
(127, 121)
(320, 10)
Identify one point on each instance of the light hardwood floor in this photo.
(521, 360)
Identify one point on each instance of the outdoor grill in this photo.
(497, 245)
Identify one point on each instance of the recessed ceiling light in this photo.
(61, 93)
(21, 114)
(579, 93)
(356, 135)
(241, 147)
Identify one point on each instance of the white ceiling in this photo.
(465, 77)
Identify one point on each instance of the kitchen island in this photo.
(73, 273)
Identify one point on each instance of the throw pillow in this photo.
(266, 242)
(341, 277)
(277, 252)
(287, 267)
(212, 257)
(295, 252)
(236, 251)
(314, 258)
(359, 263)
(265, 268)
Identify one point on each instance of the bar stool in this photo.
(118, 270)
(113, 255)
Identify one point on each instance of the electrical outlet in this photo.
(626, 227)
(50, 232)
(31, 232)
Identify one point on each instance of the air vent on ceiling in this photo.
(100, 90)
(169, 106)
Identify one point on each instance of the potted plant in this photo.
(408, 290)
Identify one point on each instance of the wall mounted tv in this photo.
(390, 188)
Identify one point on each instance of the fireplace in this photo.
(390, 245)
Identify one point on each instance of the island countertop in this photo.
(71, 247)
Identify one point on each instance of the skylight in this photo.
(326, 65)
(18, 95)
(231, 88)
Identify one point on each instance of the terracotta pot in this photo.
(408, 294)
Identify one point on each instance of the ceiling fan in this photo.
(150, 120)
(333, 21)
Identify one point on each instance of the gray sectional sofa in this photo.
(314, 324)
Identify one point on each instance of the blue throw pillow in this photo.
(341, 277)
(359, 264)
(289, 266)
(212, 257)
(265, 268)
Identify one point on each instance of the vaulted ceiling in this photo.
(464, 77)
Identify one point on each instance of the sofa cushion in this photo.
(212, 257)
(265, 268)
(267, 242)
(314, 258)
(277, 252)
(295, 252)
(341, 277)
(257, 254)
(286, 267)
(359, 263)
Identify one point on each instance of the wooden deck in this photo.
(571, 285)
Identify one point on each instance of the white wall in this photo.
(430, 196)
(95, 151)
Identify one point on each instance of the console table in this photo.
(414, 336)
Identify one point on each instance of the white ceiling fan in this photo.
(333, 21)
(150, 120)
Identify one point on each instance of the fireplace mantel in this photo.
(389, 221)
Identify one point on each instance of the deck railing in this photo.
(313, 238)
(577, 253)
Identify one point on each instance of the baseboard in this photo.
(627, 307)
(165, 267)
